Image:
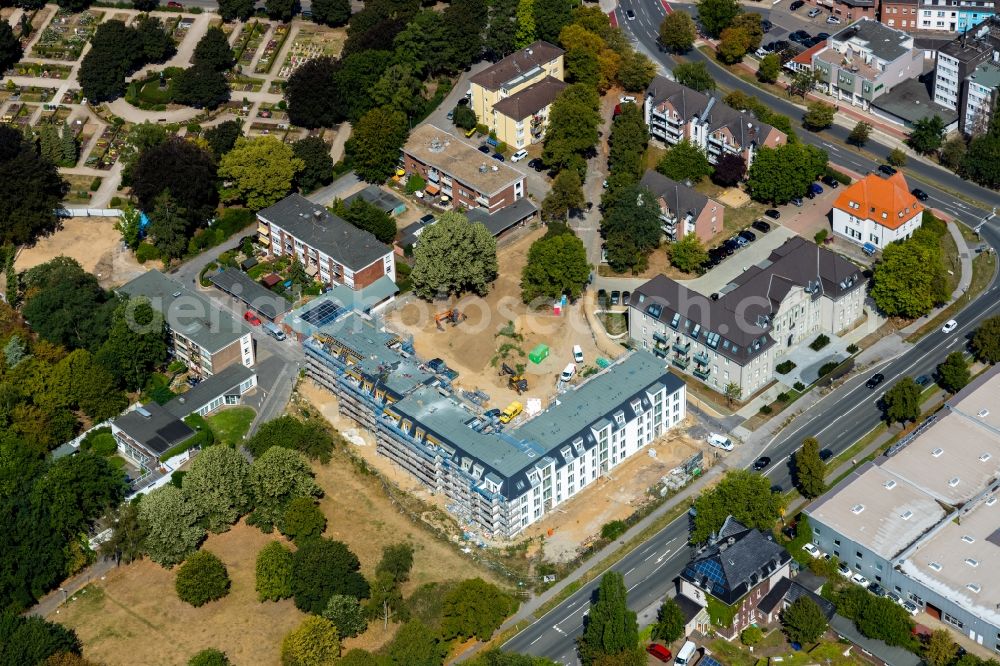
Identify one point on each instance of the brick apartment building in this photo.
(683, 210)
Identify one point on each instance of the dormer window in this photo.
(620, 419)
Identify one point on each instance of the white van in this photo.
(578, 353)
(686, 654)
(567, 373)
(273, 330)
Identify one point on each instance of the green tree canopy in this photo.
(860, 133)
(31, 188)
(940, 649)
(66, 305)
(632, 229)
(475, 608)
(556, 266)
(307, 437)
(627, 143)
(982, 160)
(550, 17)
(566, 194)
(742, 494)
(172, 525)
(274, 572)
(331, 12)
(216, 484)
(688, 254)
(572, 130)
(367, 216)
(818, 116)
(260, 171)
(31, 639)
(397, 560)
(809, 468)
(213, 50)
(314, 643)
(885, 620)
(903, 283)
(927, 134)
(303, 519)
(685, 161)
(277, 476)
(312, 98)
(610, 628)
(454, 256)
(232, 10)
(670, 623)
(324, 567)
(415, 645)
(986, 340)
(375, 143)
(778, 174)
(346, 613)
(717, 15)
(678, 32)
(202, 578)
(770, 68)
(317, 163)
(902, 401)
(694, 75)
(10, 47)
(803, 621)
(136, 344)
(953, 373)
(734, 43)
(280, 10)
(182, 168)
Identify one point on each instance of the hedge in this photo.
(821, 341)
(784, 367)
(841, 178)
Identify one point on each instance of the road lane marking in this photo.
(536, 640)
(630, 571)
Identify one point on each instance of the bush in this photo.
(821, 236)
(841, 178)
(146, 252)
(274, 572)
(784, 367)
(821, 341)
(766, 409)
(415, 183)
(116, 202)
(799, 386)
(88, 440)
(852, 349)
(202, 578)
(783, 397)
(827, 368)
(95, 184)
(613, 530)
(210, 657)
(104, 445)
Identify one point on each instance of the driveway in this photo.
(751, 255)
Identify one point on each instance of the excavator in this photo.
(452, 316)
(516, 382)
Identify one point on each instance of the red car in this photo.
(175, 5)
(253, 319)
(660, 652)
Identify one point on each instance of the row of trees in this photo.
(118, 50)
(910, 279)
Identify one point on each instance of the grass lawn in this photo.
(774, 645)
(231, 424)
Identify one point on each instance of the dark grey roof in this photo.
(686, 101)
(888, 654)
(505, 218)
(532, 99)
(210, 388)
(154, 427)
(689, 608)
(319, 228)
(731, 566)
(885, 42)
(788, 591)
(911, 100)
(187, 312)
(257, 297)
(516, 64)
(977, 44)
(680, 198)
(376, 196)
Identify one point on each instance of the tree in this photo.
(397, 560)
(953, 152)
(927, 134)
(818, 116)
(688, 254)
(216, 485)
(260, 171)
(307, 437)
(809, 469)
(277, 476)
(632, 229)
(314, 643)
(573, 121)
(136, 344)
(317, 167)
(171, 524)
(694, 75)
(953, 373)
(181, 167)
(168, 226)
(733, 45)
(730, 168)
(670, 623)
(742, 494)
(751, 635)
(778, 174)
(312, 98)
(321, 568)
(386, 599)
(222, 138)
(127, 534)
(627, 144)
(31, 188)
(274, 572)
(333, 13)
(750, 23)
(550, 17)
(464, 117)
(464, 23)
(71, 659)
(635, 71)
(31, 640)
(302, 520)
(803, 621)
(416, 645)
(802, 82)
(885, 620)
(10, 47)
(236, 10)
(368, 216)
(209, 657)
(678, 32)
(454, 256)
(566, 194)
(860, 134)
(475, 608)
(129, 226)
(525, 31)
(902, 401)
(986, 340)
(202, 578)
(903, 280)
(375, 143)
(400, 89)
(66, 305)
(154, 39)
(280, 10)
(770, 68)
(556, 266)
(685, 161)
(717, 15)
(982, 160)
(116, 50)
(201, 87)
(896, 157)
(213, 51)
(346, 614)
(610, 628)
(940, 649)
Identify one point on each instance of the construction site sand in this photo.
(469, 346)
(93, 242)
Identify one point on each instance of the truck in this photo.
(511, 411)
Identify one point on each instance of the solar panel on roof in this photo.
(322, 314)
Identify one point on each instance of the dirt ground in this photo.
(469, 346)
(94, 243)
(613, 497)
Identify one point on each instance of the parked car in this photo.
(822, 35)
(519, 155)
(910, 607)
(796, 201)
(814, 12)
(740, 241)
(923, 380)
(816, 189)
(660, 652)
(919, 194)
(175, 5)
(492, 414)
(797, 4)
(537, 164)
(949, 326)
(860, 580)
(730, 246)
(780, 45)
(877, 590)
(626, 297)
(772, 213)
(484, 149)
(748, 235)
(831, 181)
(568, 372)
(812, 550)
(451, 114)
(799, 36)
(875, 380)
(578, 353)
(844, 570)
(811, 42)
(833, 20)
(602, 297)
(616, 297)
(886, 169)
(251, 318)
(625, 99)
(720, 441)
(825, 454)
(761, 463)
(761, 226)
(498, 157)
(766, 26)
(892, 596)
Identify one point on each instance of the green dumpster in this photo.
(602, 362)
(539, 353)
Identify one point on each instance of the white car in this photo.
(860, 580)
(844, 570)
(949, 326)
(812, 550)
(624, 99)
(833, 20)
(578, 353)
(720, 442)
(519, 155)
(910, 607)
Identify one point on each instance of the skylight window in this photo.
(937, 452)
(991, 501)
(983, 413)
(890, 484)
(984, 457)
(968, 538)
(972, 562)
(936, 566)
(906, 515)
(954, 482)
(975, 587)
(857, 508)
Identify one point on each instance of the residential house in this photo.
(205, 337)
(768, 311)
(967, 76)
(900, 14)
(683, 210)
(674, 112)
(459, 174)
(782, 595)
(737, 568)
(512, 97)
(877, 211)
(866, 60)
(850, 10)
(954, 15)
(331, 249)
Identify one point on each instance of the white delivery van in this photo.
(567, 373)
(686, 654)
(273, 330)
(578, 353)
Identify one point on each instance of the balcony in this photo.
(661, 338)
(681, 362)
(701, 358)
(701, 374)
(682, 347)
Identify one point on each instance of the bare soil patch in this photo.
(93, 242)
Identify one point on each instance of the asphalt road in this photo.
(838, 420)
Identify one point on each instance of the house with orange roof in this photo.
(877, 210)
